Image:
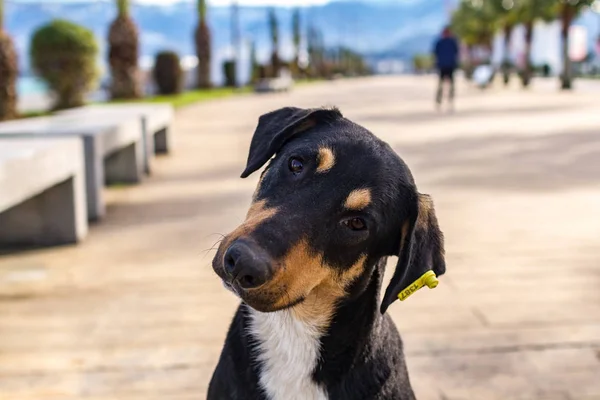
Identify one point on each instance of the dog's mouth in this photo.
(262, 282)
(263, 301)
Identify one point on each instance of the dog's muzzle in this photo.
(246, 266)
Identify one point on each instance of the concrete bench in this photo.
(274, 85)
(157, 120)
(283, 83)
(113, 148)
(42, 192)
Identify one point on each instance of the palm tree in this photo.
(235, 40)
(506, 21)
(316, 53)
(254, 66)
(274, 28)
(203, 48)
(297, 37)
(8, 72)
(506, 62)
(567, 10)
(474, 22)
(123, 55)
(528, 12)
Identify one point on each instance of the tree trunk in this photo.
(297, 38)
(566, 18)
(506, 64)
(8, 78)
(470, 67)
(526, 75)
(123, 59)
(275, 64)
(203, 51)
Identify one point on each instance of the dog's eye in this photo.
(356, 224)
(295, 165)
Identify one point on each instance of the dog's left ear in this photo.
(421, 248)
(277, 127)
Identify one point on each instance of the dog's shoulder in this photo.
(236, 377)
(390, 351)
(380, 373)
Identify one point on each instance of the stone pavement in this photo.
(136, 313)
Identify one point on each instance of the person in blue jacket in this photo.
(446, 61)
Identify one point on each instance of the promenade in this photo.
(136, 312)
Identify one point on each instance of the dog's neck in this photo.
(302, 350)
(347, 337)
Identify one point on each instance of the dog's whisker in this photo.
(215, 246)
(214, 234)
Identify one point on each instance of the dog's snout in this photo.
(247, 265)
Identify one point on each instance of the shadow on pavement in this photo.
(172, 210)
(502, 162)
(421, 116)
(203, 175)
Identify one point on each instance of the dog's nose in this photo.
(246, 265)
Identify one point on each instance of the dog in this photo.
(332, 204)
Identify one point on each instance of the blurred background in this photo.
(106, 286)
(340, 37)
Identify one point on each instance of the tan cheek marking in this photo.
(257, 214)
(303, 275)
(318, 308)
(358, 199)
(326, 160)
(300, 272)
(350, 275)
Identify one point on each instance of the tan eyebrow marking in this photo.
(358, 199)
(326, 159)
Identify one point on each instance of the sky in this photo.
(281, 3)
(252, 2)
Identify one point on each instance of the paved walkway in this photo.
(136, 313)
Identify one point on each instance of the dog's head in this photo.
(332, 202)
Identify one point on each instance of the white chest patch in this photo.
(288, 350)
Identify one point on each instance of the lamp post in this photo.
(596, 9)
(235, 41)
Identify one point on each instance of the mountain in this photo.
(366, 26)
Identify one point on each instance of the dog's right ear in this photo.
(421, 248)
(277, 127)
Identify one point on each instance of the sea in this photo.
(30, 85)
(33, 94)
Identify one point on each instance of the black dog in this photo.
(308, 262)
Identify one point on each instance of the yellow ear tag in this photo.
(427, 279)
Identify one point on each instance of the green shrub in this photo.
(168, 75)
(64, 55)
